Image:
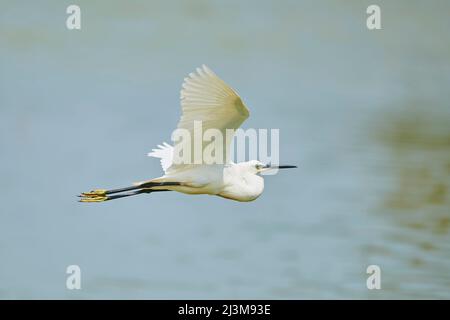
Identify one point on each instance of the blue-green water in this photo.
(365, 115)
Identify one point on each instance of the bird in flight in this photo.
(207, 98)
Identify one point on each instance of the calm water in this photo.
(365, 115)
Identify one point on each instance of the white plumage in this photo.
(206, 98)
(165, 154)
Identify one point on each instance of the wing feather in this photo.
(207, 98)
(165, 153)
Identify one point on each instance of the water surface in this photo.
(364, 114)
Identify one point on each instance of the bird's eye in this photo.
(258, 166)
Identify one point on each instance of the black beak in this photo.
(279, 167)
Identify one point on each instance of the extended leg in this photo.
(102, 198)
(104, 192)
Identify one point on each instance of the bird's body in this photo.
(231, 181)
(206, 98)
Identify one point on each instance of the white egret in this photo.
(207, 98)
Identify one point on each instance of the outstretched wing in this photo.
(206, 98)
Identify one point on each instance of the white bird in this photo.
(207, 98)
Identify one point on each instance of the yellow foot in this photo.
(94, 193)
(93, 199)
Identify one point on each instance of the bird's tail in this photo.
(101, 195)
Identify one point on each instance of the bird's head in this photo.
(257, 167)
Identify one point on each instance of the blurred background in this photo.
(365, 114)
